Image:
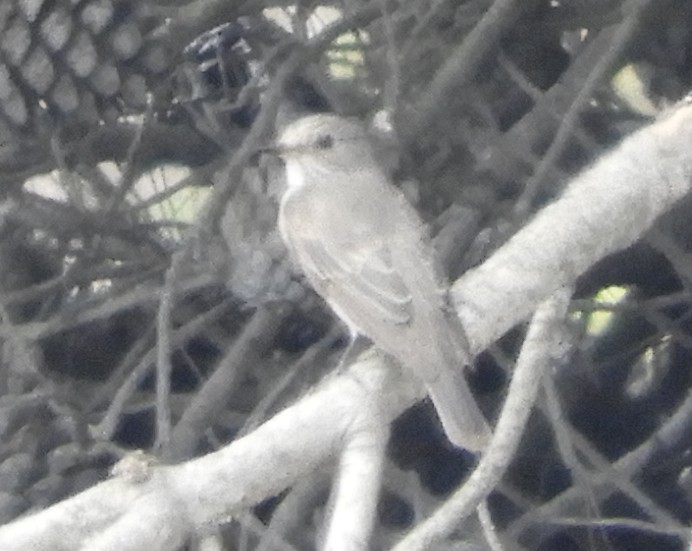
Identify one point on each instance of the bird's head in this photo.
(327, 141)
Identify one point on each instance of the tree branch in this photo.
(604, 209)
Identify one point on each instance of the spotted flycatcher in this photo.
(364, 250)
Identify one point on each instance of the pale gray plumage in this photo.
(364, 250)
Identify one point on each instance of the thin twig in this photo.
(621, 38)
(537, 354)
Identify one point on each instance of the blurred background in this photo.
(136, 216)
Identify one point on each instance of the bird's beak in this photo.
(273, 150)
(285, 151)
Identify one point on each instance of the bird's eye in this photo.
(324, 142)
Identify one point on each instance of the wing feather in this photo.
(361, 276)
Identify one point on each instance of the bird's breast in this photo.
(295, 176)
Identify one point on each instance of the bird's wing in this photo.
(359, 278)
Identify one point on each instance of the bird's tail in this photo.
(462, 420)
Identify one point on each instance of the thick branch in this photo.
(604, 209)
(187, 498)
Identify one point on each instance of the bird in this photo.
(366, 252)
